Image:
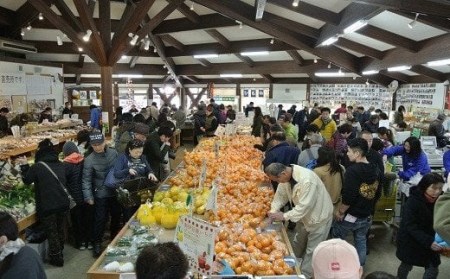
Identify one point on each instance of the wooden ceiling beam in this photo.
(77, 79)
(204, 62)
(119, 68)
(296, 57)
(91, 5)
(260, 7)
(390, 38)
(192, 78)
(7, 16)
(430, 50)
(216, 35)
(173, 42)
(349, 15)
(305, 31)
(81, 61)
(431, 73)
(436, 22)
(423, 6)
(186, 11)
(104, 10)
(120, 43)
(59, 23)
(85, 80)
(363, 49)
(245, 59)
(183, 24)
(67, 14)
(120, 25)
(170, 64)
(244, 13)
(133, 61)
(267, 77)
(89, 24)
(26, 14)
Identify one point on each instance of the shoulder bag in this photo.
(72, 202)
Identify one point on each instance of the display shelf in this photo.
(26, 222)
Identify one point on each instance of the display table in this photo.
(25, 223)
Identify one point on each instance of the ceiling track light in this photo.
(315, 60)
(87, 37)
(147, 44)
(80, 49)
(340, 70)
(154, 50)
(367, 82)
(22, 32)
(41, 16)
(29, 27)
(412, 23)
(134, 40)
(240, 24)
(295, 3)
(329, 65)
(59, 41)
(192, 6)
(272, 41)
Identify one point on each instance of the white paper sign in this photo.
(230, 129)
(383, 123)
(202, 178)
(196, 239)
(211, 203)
(220, 131)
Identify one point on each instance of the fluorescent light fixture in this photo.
(355, 26)
(371, 72)
(398, 68)
(29, 27)
(206, 55)
(295, 3)
(59, 40)
(147, 45)
(41, 17)
(329, 74)
(230, 75)
(80, 49)
(134, 40)
(254, 53)
(329, 41)
(439, 62)
(87, 36)
(412, 23)
(130, 76)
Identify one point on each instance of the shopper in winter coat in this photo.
(82, 215)
(123, 133)
(52, 202)
(446, 162)
(326, 124)
(139, 131)
(437, 129)
(16, 259)
(331, 173)
(399, 115)
(289, 129)
(199, 122)
(311, 205)
(338, 141)
(46, 114)
(372, 124)
(415, 238)
(441, 216)
(414, 159)
(96, 167)
(257, 122)
(312, 150)
(211, 122)
(95, 117)
(156, 148)
(281, 152)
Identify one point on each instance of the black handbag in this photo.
(135, 191)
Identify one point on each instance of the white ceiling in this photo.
(361, 39)
(303, 19)
(273, 56)
(333, 5)
(150, 60)
(193, 37)
(290, 75)
(12, 4)
(399, 25)
(234, 33)
(409, 73)
(225, 58)
(357, 54)
(306, 55)
(442, 69)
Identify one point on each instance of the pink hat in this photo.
(335, 259)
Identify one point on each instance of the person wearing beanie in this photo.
(82, 214)
(437, 129)
(95, 169)
(52, 202)
(336, 258)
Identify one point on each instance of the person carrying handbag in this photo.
(133, 164)
(52, 202)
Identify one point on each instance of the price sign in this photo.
(201, 180)
(230, 129)
(220, 131)
(216, 148)
(196, 239)
(211, 203)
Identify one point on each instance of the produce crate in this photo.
(385, 207)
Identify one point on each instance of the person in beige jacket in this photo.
(331, 173)
(442, 216)
(311, 207)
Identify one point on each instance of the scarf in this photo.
(11, 247)
(430, 199)
(325, 123)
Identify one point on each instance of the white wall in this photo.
(289, 93)
(34, 82)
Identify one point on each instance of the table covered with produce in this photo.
(220, 186)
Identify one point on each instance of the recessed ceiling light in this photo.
(29, 27)
(439, 62)
(87, 36)
(206, 55)
(398, 68)
(230, 75)
(254, 53)
(371, 72)
(329, 74)
(41, 17)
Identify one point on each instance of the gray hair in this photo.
(315, 138)
(275, 169)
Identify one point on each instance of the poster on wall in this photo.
(83, 94)
(12, 84)
(92, 94)
(421, 95)
(253, 93)
(261, 93)
(245, 92)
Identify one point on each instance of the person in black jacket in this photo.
(52, 202)
(415, 238)
(281, 151)
(82, 215)
(4, 126)
(156, 148)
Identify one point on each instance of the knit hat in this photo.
(141, 128)
(96, 137)
(442, 116)
(69, 147)
(335, 259)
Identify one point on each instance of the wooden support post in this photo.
(107, 94)
(183, 97)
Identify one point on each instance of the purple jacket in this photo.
(411, 166)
